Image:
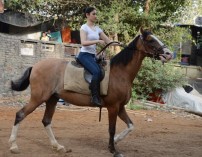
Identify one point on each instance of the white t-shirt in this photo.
(91, 35)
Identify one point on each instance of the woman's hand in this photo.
(101, 42)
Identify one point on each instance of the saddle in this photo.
(77, 78)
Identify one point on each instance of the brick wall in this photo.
(16, 54)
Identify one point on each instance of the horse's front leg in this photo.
(12, 140)
(112, 115)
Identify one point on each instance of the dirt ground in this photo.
(157, 133)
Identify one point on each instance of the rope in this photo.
(102, 50)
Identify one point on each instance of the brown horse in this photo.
(46, 80)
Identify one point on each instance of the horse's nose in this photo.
(168, 54)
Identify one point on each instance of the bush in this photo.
(154, 76)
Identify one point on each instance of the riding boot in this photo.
(95, 92)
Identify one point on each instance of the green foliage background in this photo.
(120, 19)
(155, 76)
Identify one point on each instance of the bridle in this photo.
(155, 50)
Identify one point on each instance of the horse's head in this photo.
(153, 47)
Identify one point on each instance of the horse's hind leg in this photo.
(124, 116)
(20, 115)
(50, 110)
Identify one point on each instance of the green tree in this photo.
(190, 11)
(128, 13)
(117, 19)
(123, 19)
(120, 19)
(67, 10)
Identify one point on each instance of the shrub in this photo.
(154, 76)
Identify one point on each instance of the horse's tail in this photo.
(23, 82)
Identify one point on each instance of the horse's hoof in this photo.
(118, 155)
(68, 150)
(61, 149)
(14, 150)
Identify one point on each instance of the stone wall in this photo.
(16, 54)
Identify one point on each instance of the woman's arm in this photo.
(104, 37)
(85, 42)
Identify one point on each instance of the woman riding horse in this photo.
(46, 80)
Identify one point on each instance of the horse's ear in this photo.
(144, 31)
(141, 29)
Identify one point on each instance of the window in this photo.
(27, 49)
(47, 47)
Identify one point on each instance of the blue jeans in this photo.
(89, 62)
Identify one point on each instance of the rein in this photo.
(104, 48)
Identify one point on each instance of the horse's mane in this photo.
(125, 55)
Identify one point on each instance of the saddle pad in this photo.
(74, 79)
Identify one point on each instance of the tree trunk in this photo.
(116, 48)
(147, 4)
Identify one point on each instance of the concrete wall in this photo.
(16, 54)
